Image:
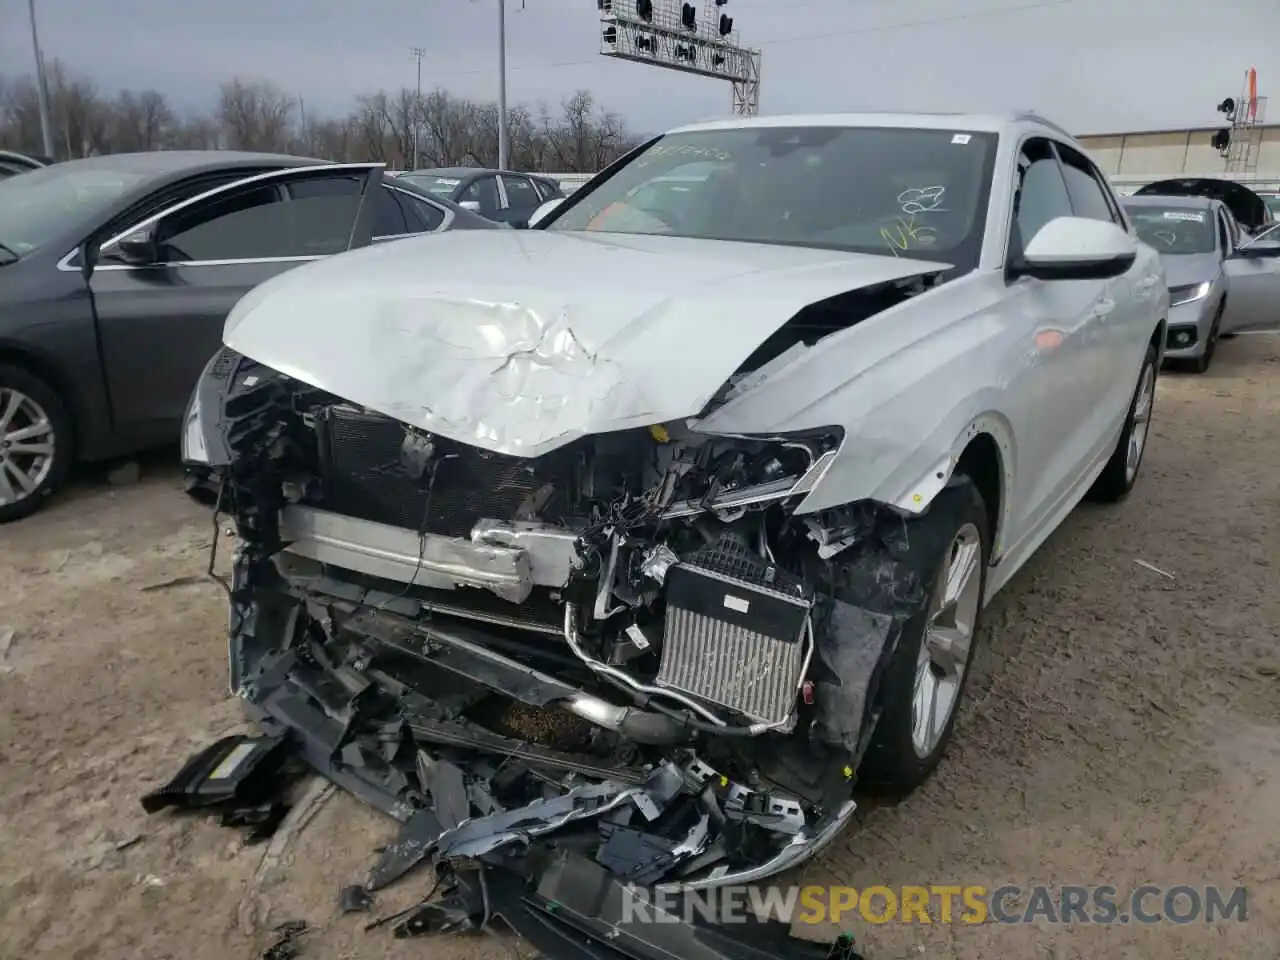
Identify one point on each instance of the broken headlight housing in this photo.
(727, 475)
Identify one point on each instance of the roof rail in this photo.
(1033, 117)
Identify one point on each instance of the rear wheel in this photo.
(926, 677)
(35, 442)
(1121, 472)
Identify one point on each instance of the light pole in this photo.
(502, 85)
(42, 87)
(419, 53)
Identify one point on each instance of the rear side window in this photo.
(315, 219)
(429, 216)
(1088, 195)
(388, 216)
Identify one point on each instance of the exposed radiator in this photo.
(733, 632)
(364, 477)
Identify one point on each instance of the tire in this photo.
(26, 402)
(1119, 475)
(956, 532)
(1201, 363)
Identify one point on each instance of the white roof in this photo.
(976, 122)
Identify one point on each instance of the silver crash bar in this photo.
(509, 559)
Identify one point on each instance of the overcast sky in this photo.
(1092, 65)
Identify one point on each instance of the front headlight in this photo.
(194, 448)
(1189, 293)
(739, 471)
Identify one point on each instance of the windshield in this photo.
(41, 204)
(1174, 230)
(440, 186)
(900, 191)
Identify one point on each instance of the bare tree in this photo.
(142, 120)
(257, 115)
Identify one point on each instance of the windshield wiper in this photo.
(7, 256)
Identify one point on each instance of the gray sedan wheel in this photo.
(35, 443)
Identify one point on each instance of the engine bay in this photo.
(631, 641)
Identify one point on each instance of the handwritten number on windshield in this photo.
(921, 199)
(901, 234)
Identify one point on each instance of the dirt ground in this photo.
(1122, 727)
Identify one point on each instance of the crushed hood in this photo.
(521, 341)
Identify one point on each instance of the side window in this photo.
(1089, 198)
(430, 217)
(520, 192)
(388, 216)
(546, 189)
(483, 191)
(309, 218)
(1041, 193)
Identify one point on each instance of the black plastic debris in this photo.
(286, 946)
(261, 821)
(570, 908)
(411, 847)
(236, 775)
(354, 899)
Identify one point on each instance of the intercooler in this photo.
(736, 632)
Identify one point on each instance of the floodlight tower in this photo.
(1241, 143)
(676, 35)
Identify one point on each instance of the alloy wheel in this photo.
(27, 445)
(1141, 420)
(944, 652)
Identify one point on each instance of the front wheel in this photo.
(926, 676)
(1121, 472)
(35, 442)
(1201, 363)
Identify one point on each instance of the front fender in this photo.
(911, 388)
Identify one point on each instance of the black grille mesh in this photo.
(364, 478)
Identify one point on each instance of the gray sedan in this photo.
(117, 273)
(1194, 236)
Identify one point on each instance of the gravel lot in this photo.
(1121, 727)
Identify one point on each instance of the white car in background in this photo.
(731, 486)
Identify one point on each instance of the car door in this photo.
(160, 321)
(1122, 320)
(1054, 381)
(1253, 285)
(522, 199)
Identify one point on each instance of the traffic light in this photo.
(1221, 140)
(1228, 107)
(726, 25)
(644, 8)
(689, 17)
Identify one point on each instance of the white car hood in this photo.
(521, 341)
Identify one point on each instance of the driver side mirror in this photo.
(1077, 248)
(138, 248)
(472, 205)
(544, 210)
